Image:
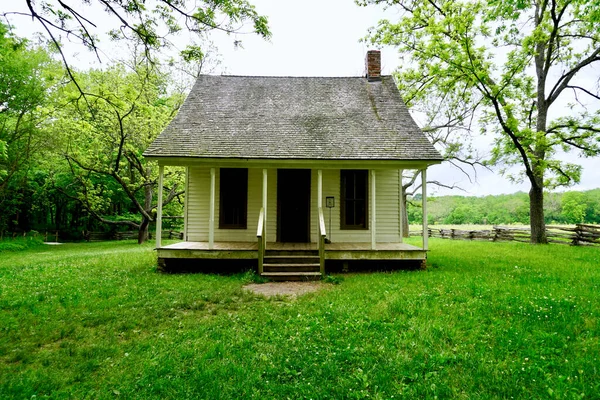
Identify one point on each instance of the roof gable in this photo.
(293, 118)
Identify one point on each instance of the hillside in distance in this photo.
(571, 207)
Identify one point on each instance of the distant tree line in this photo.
(560, 208)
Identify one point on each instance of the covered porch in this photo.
(268, 255)
(290, 261)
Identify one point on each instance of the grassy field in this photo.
(486, 320)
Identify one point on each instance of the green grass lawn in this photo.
(486, 320)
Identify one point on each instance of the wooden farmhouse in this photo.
(293, 173)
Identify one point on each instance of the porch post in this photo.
(161, 171)
(211, 218)
(400, 206)
(264, 200)
(373, 212)
(186, 204)
(321, 223)
(424, 200)
(320, 188)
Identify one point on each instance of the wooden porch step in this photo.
(291, 252)
(292, 276)
(291, 267)
(289, 259)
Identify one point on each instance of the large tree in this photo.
(111, 115)
(526, 69)
(104, 138)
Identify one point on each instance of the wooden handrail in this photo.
(261, 221)
(260, 234)
(322, 231)
(322, 235)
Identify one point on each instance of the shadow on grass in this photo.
(222, 267)
(229, 267)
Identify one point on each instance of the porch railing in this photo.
(322, 235)
(261, 236)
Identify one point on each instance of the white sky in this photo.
(321, 38)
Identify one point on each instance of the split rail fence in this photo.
(578, 235)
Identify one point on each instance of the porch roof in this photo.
(294, 118)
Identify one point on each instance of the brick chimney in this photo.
(373, 65)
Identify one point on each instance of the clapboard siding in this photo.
(199, 202)
(199, 199)
(387, 228)
(387, 206)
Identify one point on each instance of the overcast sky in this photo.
(322, 38)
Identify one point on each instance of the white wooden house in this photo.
(292, 171)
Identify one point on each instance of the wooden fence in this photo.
(128, 235)
(56, 236)
(578, 235)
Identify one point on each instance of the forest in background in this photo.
(72, 139)
(571, 207)
(71, 151)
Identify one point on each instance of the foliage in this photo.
(486, 320)
(28, 79)
(251, 276)
(150, 24)
(71, 153)
(514, 66)
(561, 208)
(20, 243)
(574, 207)
(105, 139)
(72, 159)
(333, 279)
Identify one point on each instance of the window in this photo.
(354, 196)
(233, 198)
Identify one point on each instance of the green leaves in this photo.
(105, 138)
(192, 53)
(28, 77)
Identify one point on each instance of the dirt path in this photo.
(291, 289)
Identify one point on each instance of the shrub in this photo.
(20, 243)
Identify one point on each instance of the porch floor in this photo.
(333, 251)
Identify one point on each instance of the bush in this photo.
(20, 243)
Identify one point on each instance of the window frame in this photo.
(343, 182)
(239, 188)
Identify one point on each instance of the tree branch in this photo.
(564, 80)
(597, 97)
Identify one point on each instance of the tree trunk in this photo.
(143, 231)
(536, 177)
(405, 227)
(536, 215)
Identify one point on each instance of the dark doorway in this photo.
(293, 205)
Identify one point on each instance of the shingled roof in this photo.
(293, 118)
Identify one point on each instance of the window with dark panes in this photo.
(354, 196)
(233, 198)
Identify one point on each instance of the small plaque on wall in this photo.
(329, 201)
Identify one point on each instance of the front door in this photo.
(293, 205)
